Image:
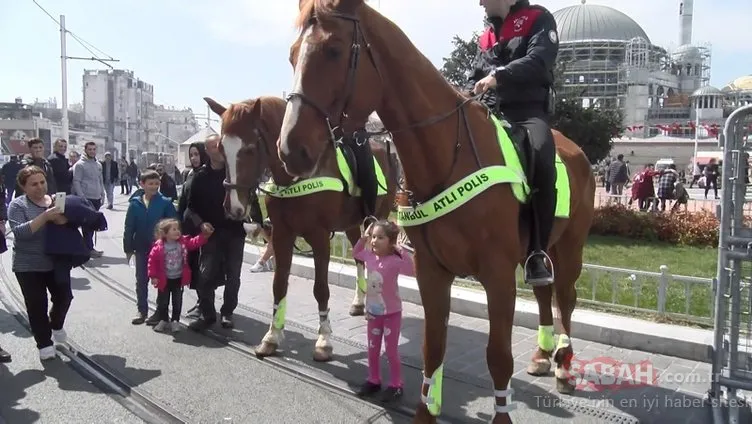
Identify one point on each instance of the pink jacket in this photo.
(156, 268)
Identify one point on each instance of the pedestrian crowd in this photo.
(192, 246)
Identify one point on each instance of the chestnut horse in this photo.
(249, 135)
(348, 61)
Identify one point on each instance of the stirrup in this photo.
(539, 282)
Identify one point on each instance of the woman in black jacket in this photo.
(4, 356)
(198, 157)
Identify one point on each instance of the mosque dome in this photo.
(586, 22)
(743, 84)
(707, 90)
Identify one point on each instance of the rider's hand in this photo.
(484, 85)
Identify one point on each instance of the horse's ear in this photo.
(214, 106)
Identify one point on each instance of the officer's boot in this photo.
(543, 209)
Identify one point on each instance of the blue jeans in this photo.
(142, 282)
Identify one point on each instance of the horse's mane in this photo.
(309, 7)
(272, 112)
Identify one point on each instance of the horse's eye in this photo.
(332, 53)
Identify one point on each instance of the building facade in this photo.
(173, 126)
(115, 100)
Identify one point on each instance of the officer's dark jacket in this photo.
(521, 51)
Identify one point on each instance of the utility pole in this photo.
(64, 71)
(127, 143)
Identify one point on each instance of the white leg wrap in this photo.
(325, 330)
(274, 336)
(510, 405)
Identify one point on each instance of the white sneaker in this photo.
(59, 336)
(161, 326)
(175, 326)
(47, 353)
(260, 267)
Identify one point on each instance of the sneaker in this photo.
(391, 394)
(175, 326)
(96, 253)
(261, 267)
(161, 326)
(139, 319)
(153, 319)
(227, 322)
(5, 356)
(47, 353)
(194, 313)
(369, 389)
(59, 336)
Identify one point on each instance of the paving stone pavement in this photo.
(675, 394)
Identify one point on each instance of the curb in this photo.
(613, 330)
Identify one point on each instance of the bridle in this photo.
(336, 132)
(361, 135)
(263, 153)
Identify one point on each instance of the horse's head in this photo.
(336, 83)
(246, 150)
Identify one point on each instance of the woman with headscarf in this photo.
(198, 158)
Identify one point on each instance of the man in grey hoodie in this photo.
(88, 183)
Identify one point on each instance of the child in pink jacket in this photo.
(169, 271)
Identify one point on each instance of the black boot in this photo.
(536, 272)
(366, 177)
(543, 209)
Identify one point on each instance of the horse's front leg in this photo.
(319, 241)
(283, 241)
(358, 308)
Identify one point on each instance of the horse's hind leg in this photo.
(498, 279)
(540, 364)
(357, 308)
(320, 243)
(283, 241)
(567, 258)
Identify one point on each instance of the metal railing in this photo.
(659, 293)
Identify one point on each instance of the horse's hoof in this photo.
(265, 349)
(539, 367)
(422, 416)
(502, 419)
(322, 354)
(357, 310)
(564, 386)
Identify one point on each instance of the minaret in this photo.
(685, 22)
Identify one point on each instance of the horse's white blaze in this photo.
(232, 146)
(292, 111)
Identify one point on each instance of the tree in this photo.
(459, 64)
(592, 128)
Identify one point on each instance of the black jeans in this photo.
(88, 234)
(34, 286)
(711, 181)
(544, 175)
(174, 289)
(124, 186)
(221, 259)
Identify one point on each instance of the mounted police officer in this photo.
(515, 63)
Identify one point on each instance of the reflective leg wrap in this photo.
(433, 399)
(275, 335)
(325, 330)
(507, 395)
(562, 372)
(546, 340)
(360, 289)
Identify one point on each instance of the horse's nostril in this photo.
(304, 155)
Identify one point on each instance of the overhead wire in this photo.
(85, 44)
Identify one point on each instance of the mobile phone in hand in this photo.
(60, 201)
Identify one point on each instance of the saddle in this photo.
(520, 139)
(359, 158)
